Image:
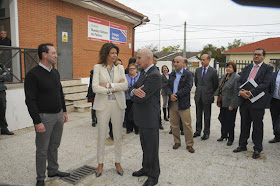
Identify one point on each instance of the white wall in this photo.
(17, 114)
(167, 63)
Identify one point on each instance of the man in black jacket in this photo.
(178, 90)
(4, 76)
(253, 112)
(145, 94)
(46, 106)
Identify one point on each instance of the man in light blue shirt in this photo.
(275, 106)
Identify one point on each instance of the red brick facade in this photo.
(37, 24)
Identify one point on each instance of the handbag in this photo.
(219, 101)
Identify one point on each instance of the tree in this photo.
(171, 48)
(151, 47)
(236, 43)
(214, 52)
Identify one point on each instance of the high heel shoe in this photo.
(222, 138)
(120, 172)
(98, 174)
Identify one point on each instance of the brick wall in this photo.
(37, 24)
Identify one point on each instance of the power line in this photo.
(206, 38)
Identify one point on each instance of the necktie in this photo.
(142, 74)
(204, 72)
(254, 72)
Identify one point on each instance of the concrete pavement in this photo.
(213, 163)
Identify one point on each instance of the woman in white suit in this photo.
(109, 84)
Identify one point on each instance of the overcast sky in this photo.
(218, 22)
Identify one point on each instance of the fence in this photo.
(18, 60)
(240, 64)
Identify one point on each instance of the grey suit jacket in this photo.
(230, 91)
(146, 110)
(205, 89)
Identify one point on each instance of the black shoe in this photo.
(229, 143)
(129, 131)
(150, 182)
(205, 137)
(240, 149)
(222, 138)
(59, 174)
(166, 119)
(136, 132)
(170, 132)
(256, 154)
(6, 132)
(93, 124)
(161, 127)
(274, 140)
(196, 134)
(182, 133)
(139, 173)
(40, 183)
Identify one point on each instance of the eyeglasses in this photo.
(3, 33)
(132, 68)
(257, 54)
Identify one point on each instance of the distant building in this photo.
(245, 52)
(77, 28)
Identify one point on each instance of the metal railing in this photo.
(18, 61)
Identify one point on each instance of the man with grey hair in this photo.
(206, 82)
(145, 94)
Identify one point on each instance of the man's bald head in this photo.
(178, 63)
(144, 58)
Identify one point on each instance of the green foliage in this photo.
(151, 47)
(236, 43)
(171, 48)
(214, 52)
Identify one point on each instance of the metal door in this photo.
(64, 47)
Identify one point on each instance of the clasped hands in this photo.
(245, 93)
(110, 86)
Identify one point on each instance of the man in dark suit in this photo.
(179, 87)
(145, 94)
(275, 106)
(250, 112)
(206, 82)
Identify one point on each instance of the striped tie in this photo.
(254, 72)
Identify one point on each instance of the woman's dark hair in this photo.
(131, 60)
(162, 68)
(104, 52)
(232, 64)
(43, 48)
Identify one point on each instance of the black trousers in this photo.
(149, 138)
(200, 109)
(275, 116)
(3, 121)
(227, 119)
(249, 115)
(130, 125)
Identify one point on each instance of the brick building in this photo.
(66, 24)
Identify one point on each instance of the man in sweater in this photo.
(46, 106)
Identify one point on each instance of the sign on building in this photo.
(106, 31)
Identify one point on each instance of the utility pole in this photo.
(185, 47)
(158, 32)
